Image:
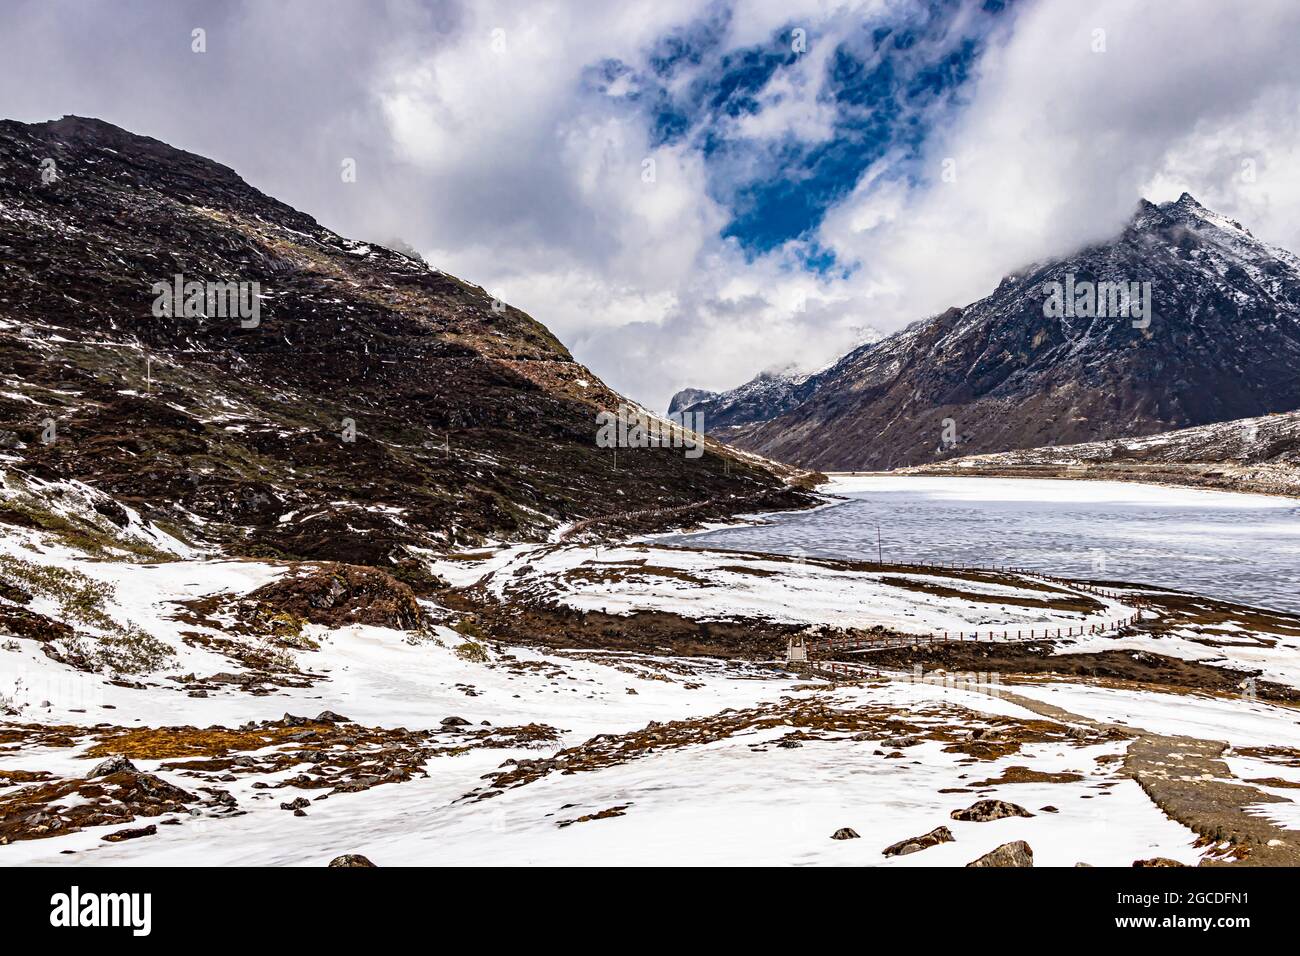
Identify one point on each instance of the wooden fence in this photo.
(842, 645)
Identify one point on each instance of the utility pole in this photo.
(880, 559)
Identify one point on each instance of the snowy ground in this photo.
(721, 802)
(720, 585)
(652, 759)
(683, 804)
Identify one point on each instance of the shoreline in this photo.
(1083, 472)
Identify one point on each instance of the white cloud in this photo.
(511, 168)
(1058, 142)
(547, 203)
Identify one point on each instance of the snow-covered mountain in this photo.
(763, 397)
(1220, 341)
(768, 394)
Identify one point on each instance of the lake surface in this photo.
(1238, 547)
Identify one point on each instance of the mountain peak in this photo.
(70, 126)
(71, 131)
(687, 397)
(1186, 209)
(1186, 202)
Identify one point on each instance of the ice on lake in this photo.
(1238, 547)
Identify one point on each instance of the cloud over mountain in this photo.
(797, 193)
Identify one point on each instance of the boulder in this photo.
(1158, 861)
(336, 595)
(981, 811)
(130, 834)
(350, 859)
(926, 840)
(110, 766)
(1008, 854)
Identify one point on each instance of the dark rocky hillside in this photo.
(1222, 343)
(471, 420)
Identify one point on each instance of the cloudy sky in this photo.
(690, 191)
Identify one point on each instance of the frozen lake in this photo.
(1238, 547)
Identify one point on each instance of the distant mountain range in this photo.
(1060, 353)
(768, 394)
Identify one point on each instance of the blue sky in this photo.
(886, 80)
(903, 160)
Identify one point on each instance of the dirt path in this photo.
(579, 526)
(1185, 778)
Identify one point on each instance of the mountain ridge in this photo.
(999, 374)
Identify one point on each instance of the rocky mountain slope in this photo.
(1221, 342)
(1250, 454)
(374, 405)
